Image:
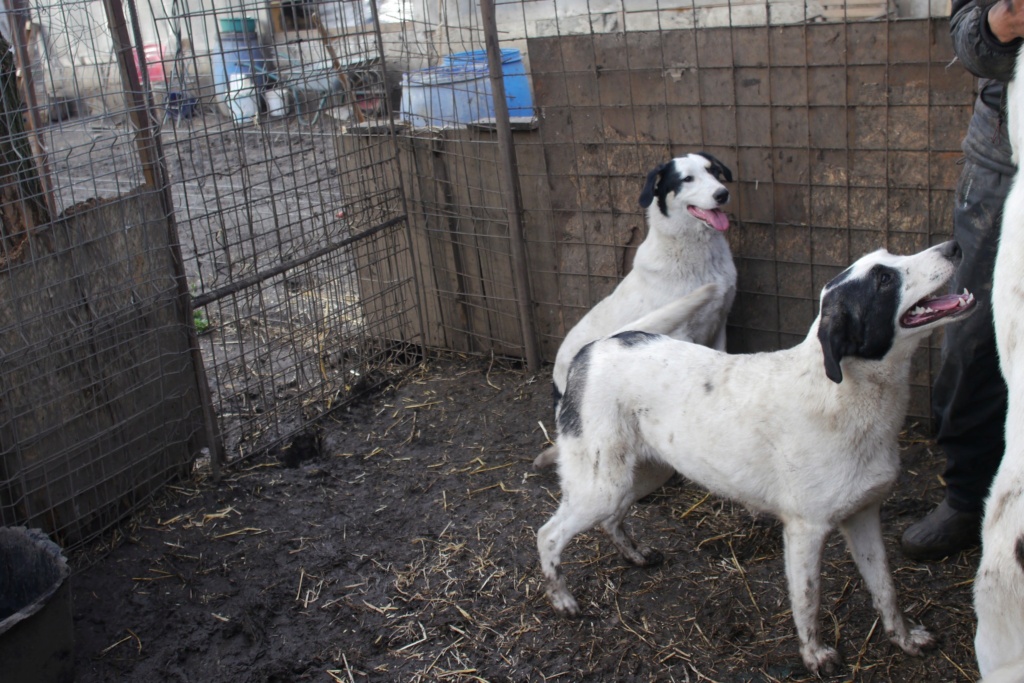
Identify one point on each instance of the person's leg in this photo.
(969, 396)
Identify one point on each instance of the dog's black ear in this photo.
(835, 335)
(718, 169)
(647, 195)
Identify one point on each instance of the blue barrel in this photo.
(517, 85)
(447, 94)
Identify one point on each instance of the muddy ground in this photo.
(405, 552)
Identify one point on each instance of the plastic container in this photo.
(153, 54)
(517, 84)
(240, 71)
(36, 628)
(237, 25)
(180, 106)
(277, 101)
(241, 98)
(240, 53)
(448, 94)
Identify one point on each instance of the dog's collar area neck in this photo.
(931, 309)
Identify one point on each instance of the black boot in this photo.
(943, 532)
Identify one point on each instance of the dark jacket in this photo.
(993, 62)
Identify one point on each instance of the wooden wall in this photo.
(99, 404)
(842, 138)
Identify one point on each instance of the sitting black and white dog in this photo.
(685, 248)
(808, 434)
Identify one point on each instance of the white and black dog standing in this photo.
(999, 586)
(685, 248)
(808, 434)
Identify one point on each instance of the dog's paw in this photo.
(652, 557)
(820, 659)
(916, 640)
(563, 603)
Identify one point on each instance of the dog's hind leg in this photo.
(863, 533)
(574, 516)
(804, 542)
(590, 495)
(648, 476)
(551, 541)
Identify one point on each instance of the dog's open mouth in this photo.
(932, 309)
(715, 218)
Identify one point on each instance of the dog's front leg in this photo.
(804, 542)
(863, 533)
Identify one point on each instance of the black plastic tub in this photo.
(37, 638)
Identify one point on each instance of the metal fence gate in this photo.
(239, 245)
(278, 218)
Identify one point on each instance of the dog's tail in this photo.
(695, 317)
(547, 458)
(549, 455)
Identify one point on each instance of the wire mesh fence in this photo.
(278, 217)
(271, 228)
(100, 399)
(330, 185)
(841, 122)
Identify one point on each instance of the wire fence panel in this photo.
(276, 211)
(99, 396)
(264, 263)
(841, 122)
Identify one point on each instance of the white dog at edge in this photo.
(999, 586)
(808, 434)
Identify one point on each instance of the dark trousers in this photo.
(969, 396)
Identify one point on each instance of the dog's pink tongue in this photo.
(713, 217)
(928, 310)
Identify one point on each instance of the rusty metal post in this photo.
(509, 176)
(151, 155)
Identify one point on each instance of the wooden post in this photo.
(507, 170)
(339, 71)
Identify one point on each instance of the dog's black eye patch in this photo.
(884, 276)
(717, 168)
(858, 317)
(634, 337)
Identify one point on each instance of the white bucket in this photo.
(241, 98)
(277, 102)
